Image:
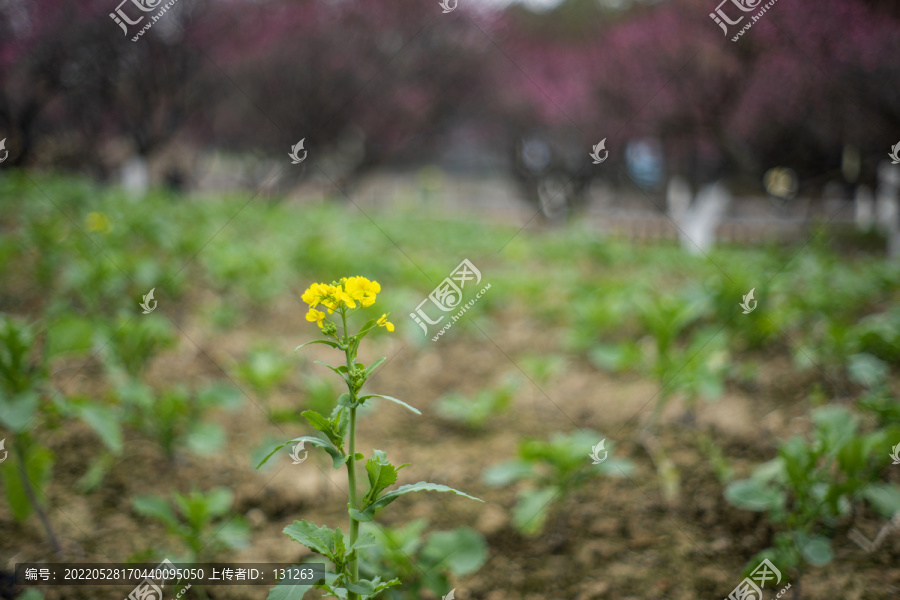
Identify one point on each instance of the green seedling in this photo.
(176, 418)
(198, 520)
(133, 341)
(421, 561)
(872, 374)
(23, 379)
(542, 368)
(339, 441)
(813, 483)
(476, 411)
(553, 470)
(264, 370)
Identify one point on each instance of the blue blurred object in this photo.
(644, 162)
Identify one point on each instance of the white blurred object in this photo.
(678, 198)
(135, 176)
(697, 221)
(887, 205)
(865, 208)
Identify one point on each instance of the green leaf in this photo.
(322, 540)
(226, 395)
(616, 467)
(380, 587)
(104, 421)
(835, 425)
(614, 357)
(31, 594)
(392, 399)
(532, 508)
(366, 329)
(816, 549)
(324, 425)
(751, 494)
(287, 591)
(462, 551)
(365, 540)
(234, 534)
(374, 365)
(157, 508)
(422, 486)
(381, 474)
(339, 370)
(344, 400)
(69, 334)
(326, 342)
(340, 420)
(218, 501)
(884, 497)
(93, 477)
(38, 467)
(16, 412)
(205, 439)
(362, 586)
(317, 420)
(336, 456)
(506, 473)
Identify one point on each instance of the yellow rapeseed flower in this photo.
(362, 289)
(97, 221)
(315, 315)
(383, 322)
(335, 297)
(316, 293)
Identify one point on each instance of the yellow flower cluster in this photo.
(97, 221)
(347, 292)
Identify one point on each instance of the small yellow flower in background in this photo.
(97, 221)
(362, 289)
(383, 322)
(315, 315)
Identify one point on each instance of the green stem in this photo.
(353, 563)
(20, 449)
(354, 524)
